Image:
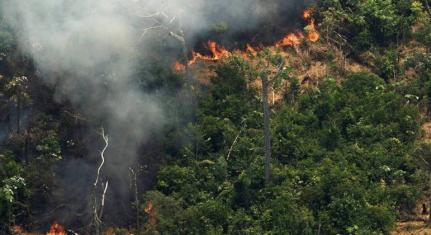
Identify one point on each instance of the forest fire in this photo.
(19, 230)
(313, 35)
(250, 49)
(307, 13)
(290, 40)
(150, 210)
(217, 52)
(56, 229)
(179, 67)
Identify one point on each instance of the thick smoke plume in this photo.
(89, 50)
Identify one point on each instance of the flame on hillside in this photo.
(19, 230)
(56, 229)
(307, 13)
(217, 52)
(179, 67)
(291, 39)
(312, 34)
(149, 209)
(251, 49)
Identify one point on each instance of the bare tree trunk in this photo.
(266, 129)
(98, 210)
(135, 186)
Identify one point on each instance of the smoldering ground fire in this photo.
(89, 51)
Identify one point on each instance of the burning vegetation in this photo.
(273, 123)
(56, 229)
(290, 40)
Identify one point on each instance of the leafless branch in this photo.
(427, 163)
(148, 29)
(102, 204)
(133, 176)
(177, 36)
(233, 144)
(280, 69)
(98, 210)
(102, 155)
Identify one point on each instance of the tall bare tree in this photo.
(269, 67)
(98, 207)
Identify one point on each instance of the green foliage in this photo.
(370, 23)
(13, 192)
(342, 161)
(46, 151)
(346, 155)
(387, 65)
(418, 88)
(423, 28)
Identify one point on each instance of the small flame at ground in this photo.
(313, 35)
(19, 230)
(56, 229)
(292, 39)
(179, 67)
(149, 208)
(217, 52)
(307, 13)
(251, 49)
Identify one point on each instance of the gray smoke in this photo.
(90, 49)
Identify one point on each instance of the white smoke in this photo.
(90, 47)
(89, 50)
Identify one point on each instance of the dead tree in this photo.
(270, 68)
(99, 204)
(134, 183)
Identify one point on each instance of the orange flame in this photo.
(149, 208)
(19, 230)
(56, 229)
(179, 67)
(307, 13)
(251, 49)
(292, 39)
(217, 52)
(313, 35)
